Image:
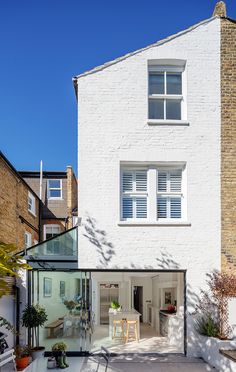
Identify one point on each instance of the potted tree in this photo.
(22, 356)
(34, 316)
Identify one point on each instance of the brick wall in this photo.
(14, 203)
(72, 195)
(228, 143)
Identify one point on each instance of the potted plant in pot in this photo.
(22, 357)
(59, 353)
(34, 316)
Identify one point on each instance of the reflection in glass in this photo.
(156, 83)
(174, 83)
(156, 109)
(173, 109)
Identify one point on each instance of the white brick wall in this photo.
(113, 127)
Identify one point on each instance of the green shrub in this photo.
(115, 305)
(207, 326)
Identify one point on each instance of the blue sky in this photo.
(44, 43)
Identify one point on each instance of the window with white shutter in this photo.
(134, 194)
(169, 194)
(154, 194)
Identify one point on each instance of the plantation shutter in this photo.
(162, 181)
(141, 207)
(162, 207)
(175, 207)
(134, 198)
(175, 181)
(141, 180)
(127, 181)
(127, 207)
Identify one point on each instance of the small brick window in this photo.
(54, 189)
(31, 203)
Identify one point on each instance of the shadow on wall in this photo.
(106, 251)
(99, 239)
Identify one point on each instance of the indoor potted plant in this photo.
(34, 316)
(22, 357)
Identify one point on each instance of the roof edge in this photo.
(157, 43)
(17, 174)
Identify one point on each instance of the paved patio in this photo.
(126, 363)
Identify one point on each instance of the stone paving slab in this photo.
(124, 363)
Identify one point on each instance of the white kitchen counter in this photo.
(131, 314)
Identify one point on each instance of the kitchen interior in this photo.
(138, 312)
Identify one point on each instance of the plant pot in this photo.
(22, 363)
(37, 352)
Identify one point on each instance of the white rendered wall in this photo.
(7, 311)
(113, 128)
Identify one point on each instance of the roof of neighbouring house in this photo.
(17, 174)
(46, 174)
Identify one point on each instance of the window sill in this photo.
(55, 198)
(167, 122)
(147, 223)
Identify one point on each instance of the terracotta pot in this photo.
(23, 362)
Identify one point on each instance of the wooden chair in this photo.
(132, 330)
(121, 324)
(7, 357)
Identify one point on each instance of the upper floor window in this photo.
(51, 230)
(54, 189)
(28, 239)
(53, 246)
(166, 93)
(153, 193)
(31, 203)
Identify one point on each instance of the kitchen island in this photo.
(131, 314)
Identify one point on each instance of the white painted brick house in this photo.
(120, 138)
(149, 134)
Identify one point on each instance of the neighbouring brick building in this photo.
(228, 143)
(19, 208)
(59, 199)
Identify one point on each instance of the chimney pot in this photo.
(220, 9)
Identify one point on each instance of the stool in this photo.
(119, 323)
(132, 325)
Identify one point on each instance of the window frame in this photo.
(29, 238)
(33, 209)
(52, 225)
(165, 69)
(152, 193)
(54, 188)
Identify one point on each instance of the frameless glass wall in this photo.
(66, 298)
(87, 310)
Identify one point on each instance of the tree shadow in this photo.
(98, 238)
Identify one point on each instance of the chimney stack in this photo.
(220, 9)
